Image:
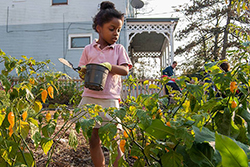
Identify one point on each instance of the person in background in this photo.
(108, 24)
(169, 72)
(225, 66)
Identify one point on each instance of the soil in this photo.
(64, 155)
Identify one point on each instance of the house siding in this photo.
(37, 29)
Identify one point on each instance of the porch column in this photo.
(172, 42)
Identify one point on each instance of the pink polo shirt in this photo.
(114, 54)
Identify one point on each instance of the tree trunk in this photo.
(216, 37)
(226, 31)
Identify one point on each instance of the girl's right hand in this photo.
(81, 75)
(82, 72)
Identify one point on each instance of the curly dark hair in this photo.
(225, 66)
(106, 14)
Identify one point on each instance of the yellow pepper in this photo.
(11, 119)
(233, 104)
(122, 144)
(48, 116)
(24, 115)
(233, 86)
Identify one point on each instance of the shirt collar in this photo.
(95, 44)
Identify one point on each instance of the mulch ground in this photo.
(64, 155)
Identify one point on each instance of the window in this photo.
(79, 41)
(59, 2)
(18, 0)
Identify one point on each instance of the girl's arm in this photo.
(120, 69)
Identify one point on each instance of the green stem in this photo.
(26, 145)
(180, 105)
(54, 145)
(20, 150)
(53, 148)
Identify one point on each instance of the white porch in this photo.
(151, 37)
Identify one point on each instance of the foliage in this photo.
(66, 91)
(144, 65)
(213, 28)
(200, 128)
(22, 114)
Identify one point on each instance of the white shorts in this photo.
(105, 103)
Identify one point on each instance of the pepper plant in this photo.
(22, 114)
(200, 126)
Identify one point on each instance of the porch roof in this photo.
(149, 40)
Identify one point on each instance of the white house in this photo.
(50, 29)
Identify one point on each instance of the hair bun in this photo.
(107, 5)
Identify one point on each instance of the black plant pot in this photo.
(95, 77)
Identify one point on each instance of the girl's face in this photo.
(109, 32)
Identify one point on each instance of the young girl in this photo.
(108, 24)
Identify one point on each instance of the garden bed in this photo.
(64, 155)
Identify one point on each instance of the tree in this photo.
(147, 68)
(209, 30)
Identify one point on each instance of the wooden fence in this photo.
(142, 89)
(134, 90)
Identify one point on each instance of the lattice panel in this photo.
(149, 27)
(147, 54)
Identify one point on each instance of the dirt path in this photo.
(64, 155)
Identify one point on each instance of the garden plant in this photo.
(200, 127)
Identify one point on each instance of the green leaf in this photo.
(195, 90)
(187, 138)
(37, 106)
(200, 119)
(153, 86)
(135, 150)
(172, 159)
(28, 157)
(202, 154)
(123, 163)
(5, 82)
(77, 127)
(120, 113)
(149, 150)
(231, 153)
(36, 137)
(145, 82)
(242, 77)
(73, 141)
(46, 144)
(48, 129)
(145, 120)
(193, 101)
(4, 156)
(223, 121)
(139, 163)
(34, 128)
(2, 163)
(86, 125)
(24, 129)
(205, 135)
(159, 130)
(245, 114)
(2, 116)
(33, 121)
(209, 105)
(107, 133)
(8, 151)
